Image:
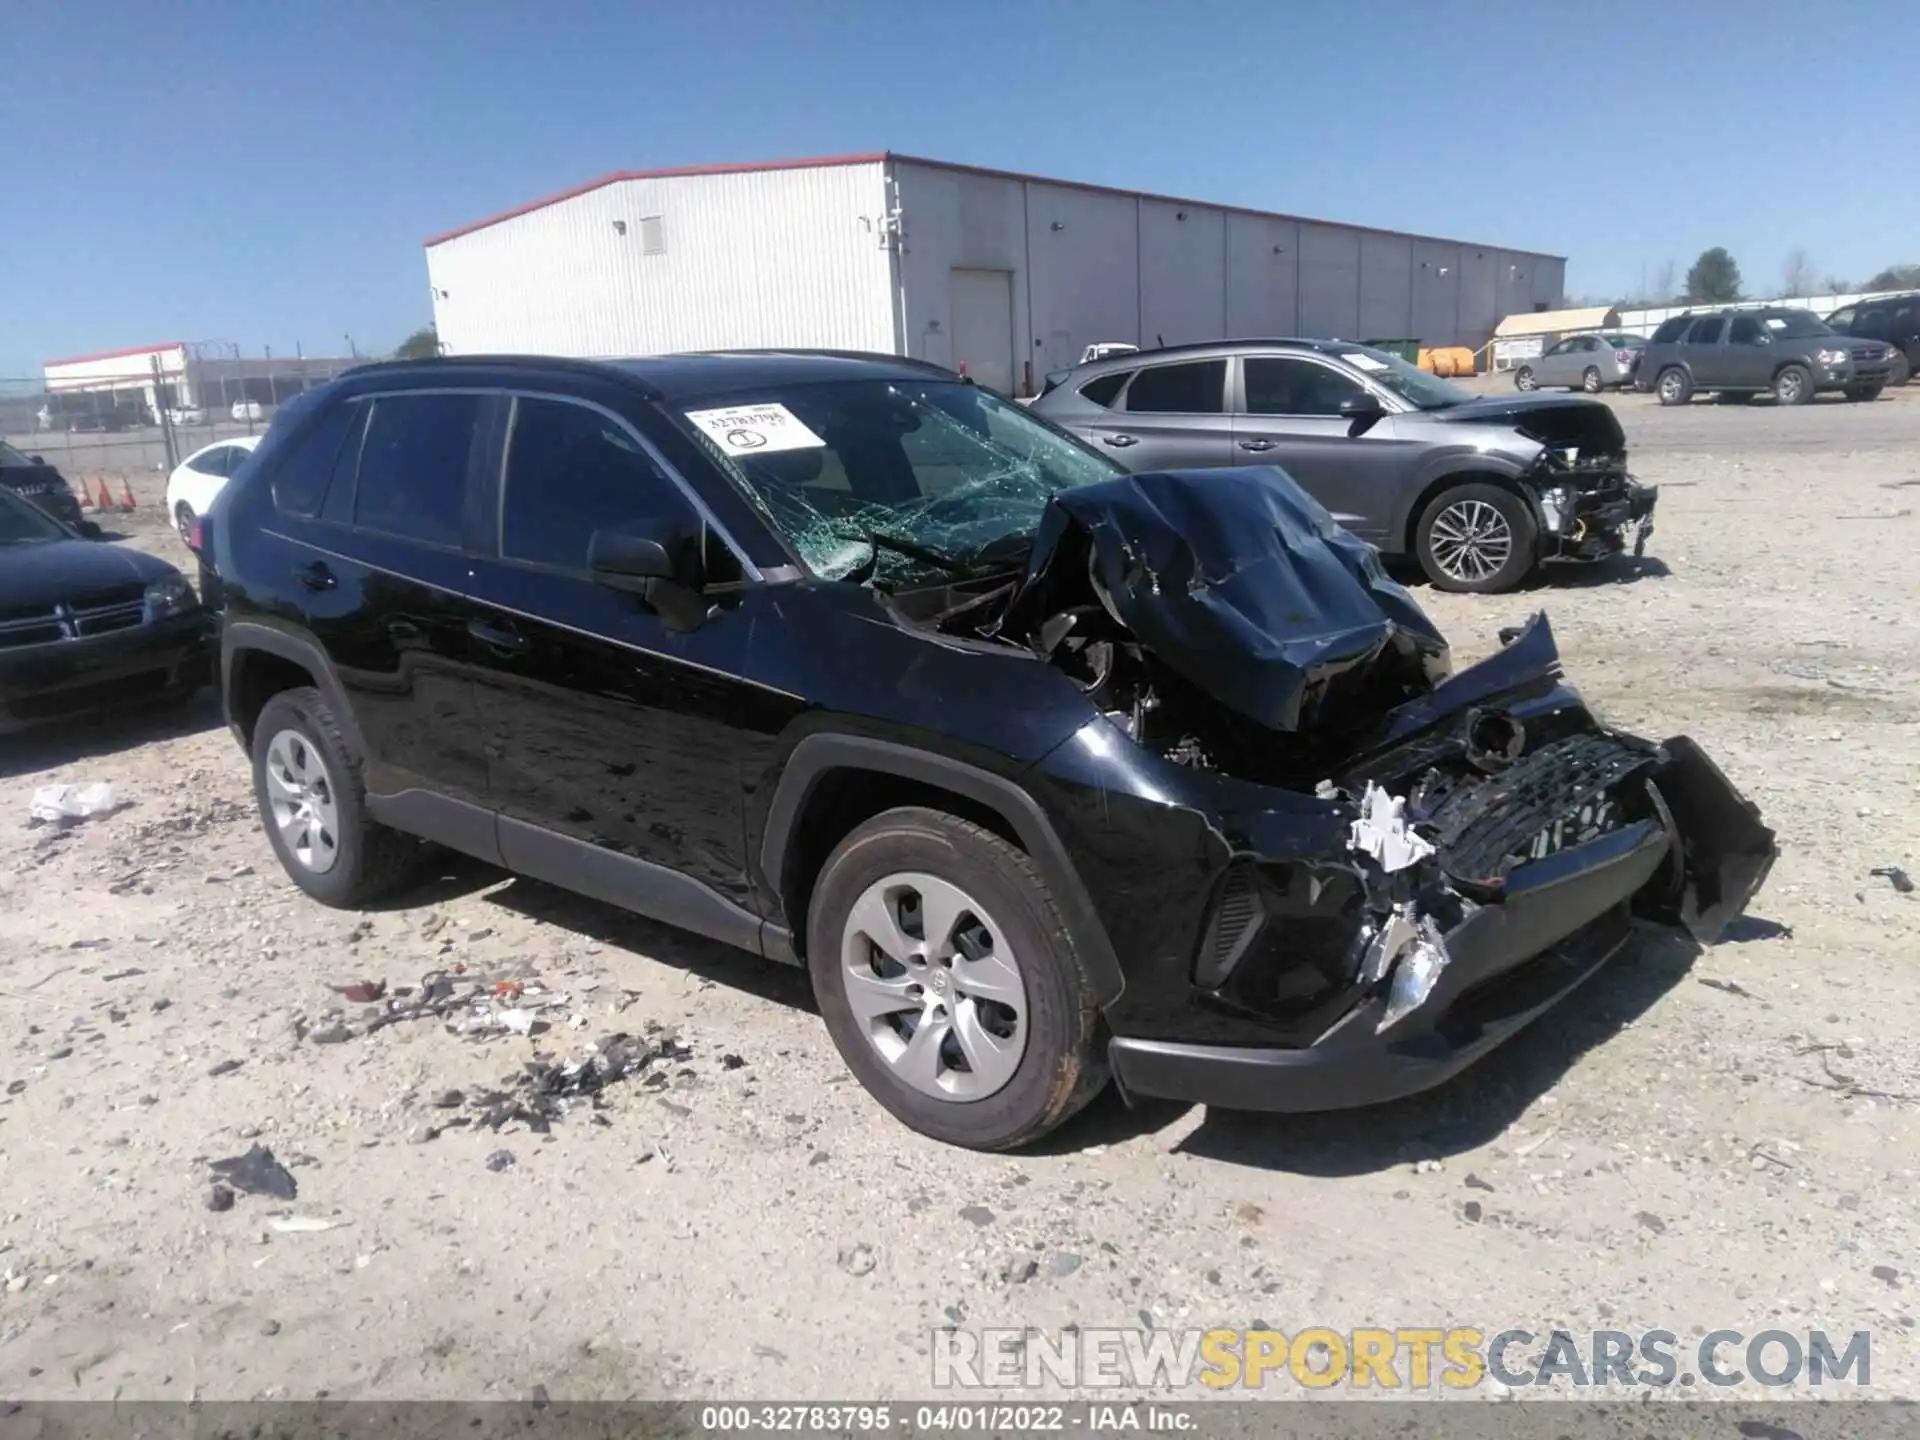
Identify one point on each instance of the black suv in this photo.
(1892, 319)
(1738, 354)
(1045, 771)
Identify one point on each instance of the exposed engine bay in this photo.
(1589, 505)
(1224, 622)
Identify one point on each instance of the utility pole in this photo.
(166, 415)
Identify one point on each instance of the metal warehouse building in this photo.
(1009, 275)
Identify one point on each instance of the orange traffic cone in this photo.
(127, 502)
(103, 501)
(86, 500)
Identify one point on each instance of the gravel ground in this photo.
(1695, 1140)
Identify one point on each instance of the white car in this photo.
(244, 410)
(186, 415)
(191, 487)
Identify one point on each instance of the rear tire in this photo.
(1523, 378)
(1590, 380)
(914, 868)
(1675, 386)
(1476, 539)
(1862, 393)
(1793, 385)
(1902, 369)
(313, 803)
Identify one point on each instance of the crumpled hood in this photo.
(1236, 580)
(1554, 420)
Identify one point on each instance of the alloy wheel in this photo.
(1470, 541)
(934, 987)
(301, 795)
(1670, 386)
(1523, 380)
(1788, 387)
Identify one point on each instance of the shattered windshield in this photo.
(894, 481)
(1409, 382)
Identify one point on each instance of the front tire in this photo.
(1675, 386)
(1476, 540)
(949, 983)
(1793, 385)
(1523, 378)
(1862, 393)
(308, 788)
(1590, 380)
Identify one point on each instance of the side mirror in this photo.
(656, 560)
(38, 459)
(1362, 412)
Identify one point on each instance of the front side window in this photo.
(1195, 388)
(1842, 319)
(414, 461)
(892, 481)
(1671, 330)
(571, 471)
(1707, 331)
(1565, 347)
(1746, 331)
(1286, 385)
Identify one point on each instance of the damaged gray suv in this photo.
(1478, 490)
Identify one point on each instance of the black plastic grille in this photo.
(1562, 794)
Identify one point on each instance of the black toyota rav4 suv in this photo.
(1045, 771)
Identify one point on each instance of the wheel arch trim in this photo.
(239, 636)
(818, 755)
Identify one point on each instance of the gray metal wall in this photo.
(1092, 265)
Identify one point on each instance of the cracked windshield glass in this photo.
(895, 482)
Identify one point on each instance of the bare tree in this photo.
(1797, 274)
(1663, 279)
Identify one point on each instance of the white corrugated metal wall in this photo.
(686, 262)
(1092, 265)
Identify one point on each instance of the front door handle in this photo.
(1256, 444)
(494, 637)
(1120, 442)
(315, 576)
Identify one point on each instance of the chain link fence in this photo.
(132, 423)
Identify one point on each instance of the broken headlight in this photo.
(1556, 504)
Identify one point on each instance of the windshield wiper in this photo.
(879, 540)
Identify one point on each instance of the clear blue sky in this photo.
(265, 173)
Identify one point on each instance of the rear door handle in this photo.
(1256, 444)
(1120, 442)
(497, 638)
(315, 576)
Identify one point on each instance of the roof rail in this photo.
(600, 369)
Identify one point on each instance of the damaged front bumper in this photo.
(1532, 877)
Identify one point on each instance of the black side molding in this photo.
(452, 823)
(237, 636)
(815, 755)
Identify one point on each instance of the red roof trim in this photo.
(987, 170)
(116, 354)
(751, 167)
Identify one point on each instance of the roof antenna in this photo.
(1159, 340)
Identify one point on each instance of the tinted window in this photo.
(1192, 389)
(1669, 330)
(1282, 385)
(412, 479)
(300, 477)
(1872, 322)
(1707, 331)
(1841, 319)
(1746, 330)
(1105, 389)
(572, 471)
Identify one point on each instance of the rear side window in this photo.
(414, 461)
(1841, 319)
(1196, 388)
(1707, 331)
(572, 471)
(1671, 330)
(300, 476)
(1103, 390)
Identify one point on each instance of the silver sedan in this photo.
(1584, 362)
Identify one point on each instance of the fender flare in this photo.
(816, 755)
(238, 636)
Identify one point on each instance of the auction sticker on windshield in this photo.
(755, 429)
